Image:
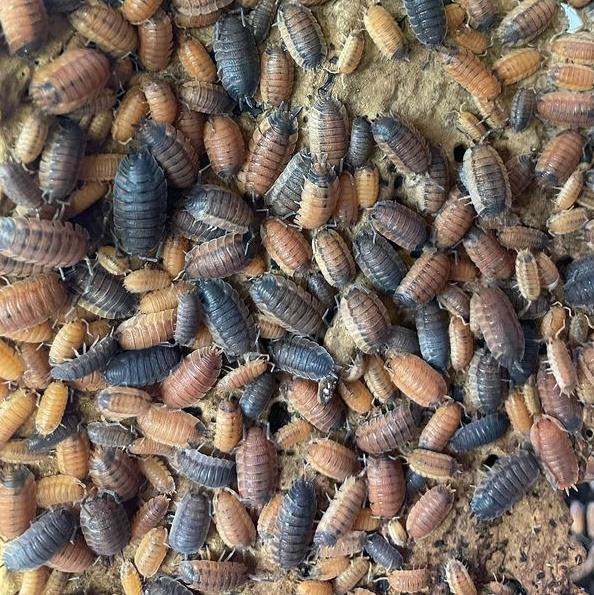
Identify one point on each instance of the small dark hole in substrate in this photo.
(459, 151)
(279, 416)
(398, 181)
(490, 460)
(589, 433)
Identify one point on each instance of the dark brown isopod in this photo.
(402, 143)
(399, 224)
(221, 257)
(365, 317)
(328, 129)
(361, 142)
(213, 577)
(19, 185)
(486, 179)
(43, 242)
(289, 305)
(388, 431)
(172, 150)
(522, 109)
(104, 524)
(526, 21)
(425, 279)
(284, 195)
(61, 159)
(24, 25)
(302, 35)
(494, 315)
(257, 471)
(114, 471)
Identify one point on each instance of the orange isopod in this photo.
(51, 407)
(470, 72)
(155, 42)
(367, 183)
(24, 25)
(441, 426)
(233, 522)
(286, 245)
(475, 41)
(293, 434)
(574, 77)
(137, 11)
(174, 428)
(15, 410)
(161, 100)
(31, 138)
(151, 552)
(130, 579)
(518, 413)
(417, 379)
(577, 47)
(332, 459)
(242, 375)
(147, 330)
(72, 455)
(70, 81)
(132, 109)
(378, 379)
(385, 33)
(157, 474)
(356, 395)
(224, 145)
(11, 363)
(195, 60)
(144, 280)
(54, 490)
